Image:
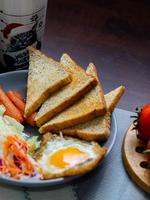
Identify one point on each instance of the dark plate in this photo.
(17, 81)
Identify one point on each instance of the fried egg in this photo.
(59, 157)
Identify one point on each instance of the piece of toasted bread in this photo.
(112, 98)
(81, 84)
(44, 77)
(90, 106)
(97, 129)
(66, 156)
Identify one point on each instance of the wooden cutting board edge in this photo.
(134, 176)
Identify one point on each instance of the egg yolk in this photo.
(67, 157)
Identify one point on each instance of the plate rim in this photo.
(57, 181)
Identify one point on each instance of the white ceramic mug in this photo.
(21, 24)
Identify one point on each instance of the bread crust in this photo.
(44, 96)
(79, 86)
(69, 123)
(83, 131)
(90, 106)
(116, 95)
(92, 130)
(63, 105)
(32, 106)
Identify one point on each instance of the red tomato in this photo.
(144, 123)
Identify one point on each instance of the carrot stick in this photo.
(19, 95)
(11, 109)
(17, 101)
(31, 119)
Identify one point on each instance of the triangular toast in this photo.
(58, 101)
(44, 77)
(90, 106)
(112, 98)
(97, 129)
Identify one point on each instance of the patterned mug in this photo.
(21, 24)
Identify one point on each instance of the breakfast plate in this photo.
(17, 81)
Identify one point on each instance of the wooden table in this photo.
(113, 34)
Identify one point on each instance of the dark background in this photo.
(113, 34)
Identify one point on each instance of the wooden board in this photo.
(132, 160)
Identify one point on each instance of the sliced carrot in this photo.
(31, 119)
(18, 148)
(17, 101)
(11, 109)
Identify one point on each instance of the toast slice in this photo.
(90, 106)
(97, 129)
(80, 85)
(112, 98)
(44, 77)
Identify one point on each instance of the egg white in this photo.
(58, 144)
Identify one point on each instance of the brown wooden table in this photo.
(113, 34)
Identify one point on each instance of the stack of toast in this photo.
(68, 99)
